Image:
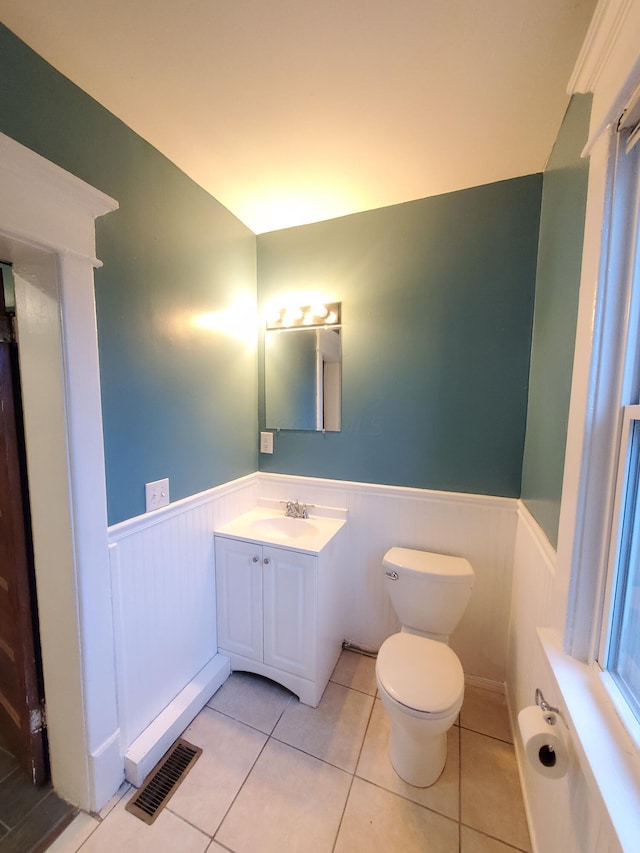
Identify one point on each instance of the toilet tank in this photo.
(429, 592)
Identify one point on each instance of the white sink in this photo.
(264, 524)
(291, 528)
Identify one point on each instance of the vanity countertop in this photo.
(267, 526)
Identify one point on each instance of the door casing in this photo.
(47, 232)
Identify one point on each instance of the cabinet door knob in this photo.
(266, 561)
(254, 559)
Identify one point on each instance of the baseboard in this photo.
(149, 747)
(520, 759)
(485, 683)
(106, 772)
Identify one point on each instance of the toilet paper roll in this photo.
(544, 744)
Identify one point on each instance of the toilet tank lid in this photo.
(441, 566)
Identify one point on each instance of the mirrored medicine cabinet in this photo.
(303, 375)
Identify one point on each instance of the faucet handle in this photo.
(295, 509)
(290, 508)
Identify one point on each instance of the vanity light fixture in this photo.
(305, 316)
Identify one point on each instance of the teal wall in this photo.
(437, 301)
(564, 196)
(177, 402)
(437, 307)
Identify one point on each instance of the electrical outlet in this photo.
(156, 494)
(266, 442)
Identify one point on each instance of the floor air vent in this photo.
(163, 781)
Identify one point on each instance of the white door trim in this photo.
(47, 231)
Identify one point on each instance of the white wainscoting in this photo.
(163, 589)
(565, 815)
(163, 579)
(477, 527)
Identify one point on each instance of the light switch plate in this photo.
(156, 494)
(266, 442)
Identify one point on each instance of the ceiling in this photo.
(294, 111)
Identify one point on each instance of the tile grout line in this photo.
(211, 838)
(353, 775)
(492, 837)
(411, 802)
(355, 689)
(459, 786)
(25, 814)
(221, 845)
(484, 734)
(98, 823)
(98, 820)
(249, 772)
(269, 736)
(244, 782)
(186, 820)
(509, 744)
(311, 755)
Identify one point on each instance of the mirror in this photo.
(302, 374)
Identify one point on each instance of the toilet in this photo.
(419, 677)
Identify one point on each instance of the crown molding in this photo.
(599, 44)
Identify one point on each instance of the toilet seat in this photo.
(422, 674)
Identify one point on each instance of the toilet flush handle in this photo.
(393, 575)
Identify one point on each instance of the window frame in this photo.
(617, 566)
(625, 227)
(614, 395)
(587, 526)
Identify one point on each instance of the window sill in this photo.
(607, 755)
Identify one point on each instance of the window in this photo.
(619, 654)
(623, 641)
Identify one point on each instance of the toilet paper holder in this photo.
(547, 709)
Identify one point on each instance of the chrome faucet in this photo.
(296, 510)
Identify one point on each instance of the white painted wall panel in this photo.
(163, 579)
(565, 815)
(165, 613)
(480, 528)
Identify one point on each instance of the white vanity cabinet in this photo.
(280, 610)
(266, 600)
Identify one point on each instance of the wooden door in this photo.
(21, 717)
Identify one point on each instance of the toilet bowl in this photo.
(420, 679)
(421, 685)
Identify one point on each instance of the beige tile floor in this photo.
(276, 775)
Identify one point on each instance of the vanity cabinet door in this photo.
(289, 595)
(239, 597)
